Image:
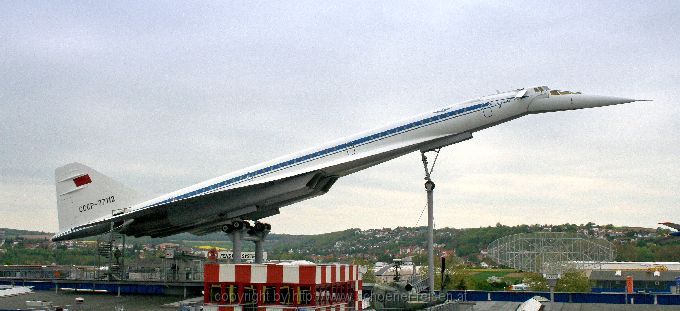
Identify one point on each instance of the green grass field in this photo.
(508, 275)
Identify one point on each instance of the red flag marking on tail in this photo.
(82, 180)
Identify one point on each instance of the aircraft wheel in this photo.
(259, 226)
(227, 228)
(238, 225)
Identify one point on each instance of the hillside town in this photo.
(371, 245)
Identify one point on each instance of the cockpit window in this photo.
(558, 92)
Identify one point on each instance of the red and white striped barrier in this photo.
(278, 274)
(314, 277)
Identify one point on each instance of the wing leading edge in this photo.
(207, 212)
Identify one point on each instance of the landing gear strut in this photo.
(240, 230)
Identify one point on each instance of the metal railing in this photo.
(191, 271)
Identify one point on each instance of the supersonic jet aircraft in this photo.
(90, 203)
(674, 226)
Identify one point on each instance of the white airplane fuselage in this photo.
(351, 154)
(259, 191)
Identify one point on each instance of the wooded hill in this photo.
(632, 243)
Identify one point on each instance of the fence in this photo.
(136, 289)
(171, 271)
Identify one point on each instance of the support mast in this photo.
(429, 188)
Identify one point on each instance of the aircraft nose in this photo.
(590, 101)
(575, 101)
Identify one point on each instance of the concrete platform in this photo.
(558, 306)
(92, 301)
(184, 289)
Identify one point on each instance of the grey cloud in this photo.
(162, 95)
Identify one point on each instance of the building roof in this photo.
(611, 275)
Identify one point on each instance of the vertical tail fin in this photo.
(84, 194)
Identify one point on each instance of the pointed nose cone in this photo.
(591, 101)
(576, 101)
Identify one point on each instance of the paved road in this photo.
(512, 306)
(92, 301)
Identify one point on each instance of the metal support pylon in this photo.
(110, 256)
(429, 188)
(238, 246)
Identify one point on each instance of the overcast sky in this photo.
(162, 95)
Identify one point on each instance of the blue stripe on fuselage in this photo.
(329, 151)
